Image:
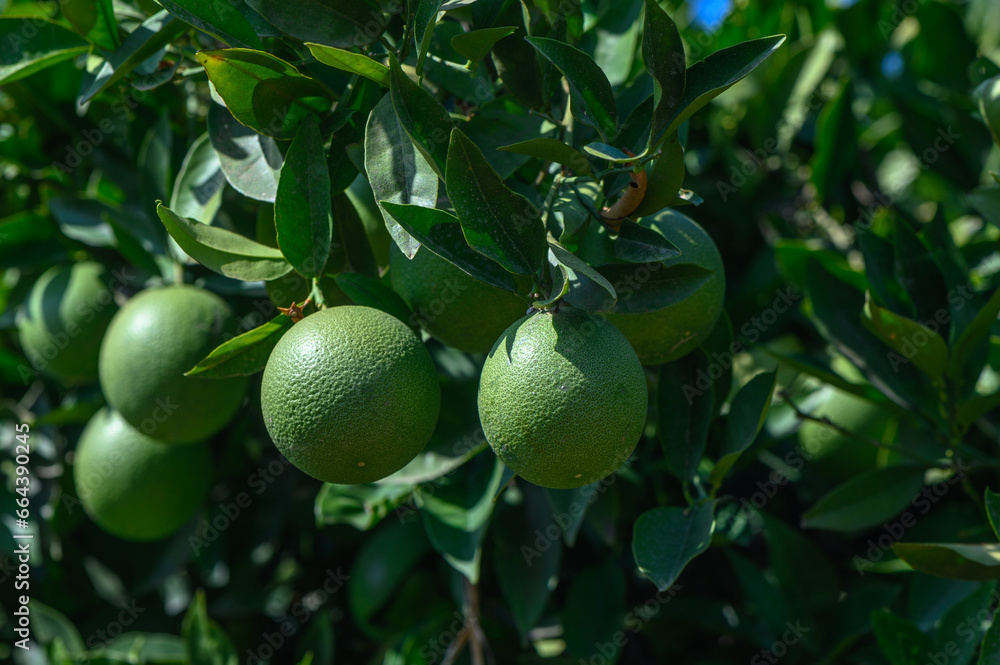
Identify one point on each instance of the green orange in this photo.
(156, 337)
(456, 308)
(64, 319)
(350, 395)
(562, 398)
(677, 329)
(134, 486)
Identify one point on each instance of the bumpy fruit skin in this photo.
(156, 337)
(676, 330)
(457, 309)
(350, 395)
(562, 398)
(64, 319)
(136, 487)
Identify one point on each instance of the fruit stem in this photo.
(178, 273)
(316, 294)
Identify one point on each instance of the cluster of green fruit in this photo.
(350, 394)
(141, 466)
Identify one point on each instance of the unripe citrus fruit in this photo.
(677, 329)
(64, 319)
(156, 337)
(562, 398)
(136, 487)
(454, 307)
(350, 395)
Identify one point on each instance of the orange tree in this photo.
(491, 331)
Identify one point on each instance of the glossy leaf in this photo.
(608, 153)
(594, 613)
(960, 622)
(569, 507)
(589, 290)
(441, 233)
(219, 19)
(340, 23)
(361, 506)
(223, 251)
(424, 20)
(989, 652)
(243, 355)
(350, 234)
(197, 193)
(498, 223)
(640, 244)
(913, 341)
(423, 119)
(94, 20)
(665, 179)
(651, 287)
(302, 212)
(552, 150)
(957, 561)
(396, 171)
(992, 501)
(263, 92)
(596, 101)
(31, 45)
(746, 418)
(476, 44)
(866, 500)
(349, 61)
(141, 44)
(664, 59)
(686, 410)
(974, 409)
(250, 161)
(204, 639)
(666, 539)
(370, 292)
(709, 78)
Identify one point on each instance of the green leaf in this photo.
(959, 631)
(142, 43)
(348, 61)
(665, 180)
(989, 652)
(456, 515)
(352, 237)
(94, 20)
(250, 161)
(148, 648)
(594, 614)
(992, 501)
(340, 23)
(219, 19)
(685, 413)
(476, 44)
(836, 151)
(666, 539)
(664, 59)
(424, 20)
(370, 292)
(50, 624)
(709, 78)
(424, 120)
(197, 193)
(866, 500)
(243, 355)
(589, 290)
(361, 506)
(263, 92)
(594, 101)
(900, 641)
(747, 413)
(223, 251)
(33, 44)
(525, 562)
(975, 334)
(205, 640)
(302, 211)
(957, 561)
(914, 341)
(651, 287)
(880, 271)
(608, 153)
(551, 150)
(569, 507)
(441, 232)
(396, 171)
(640, 244)
(977, 407)
(498, 223)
